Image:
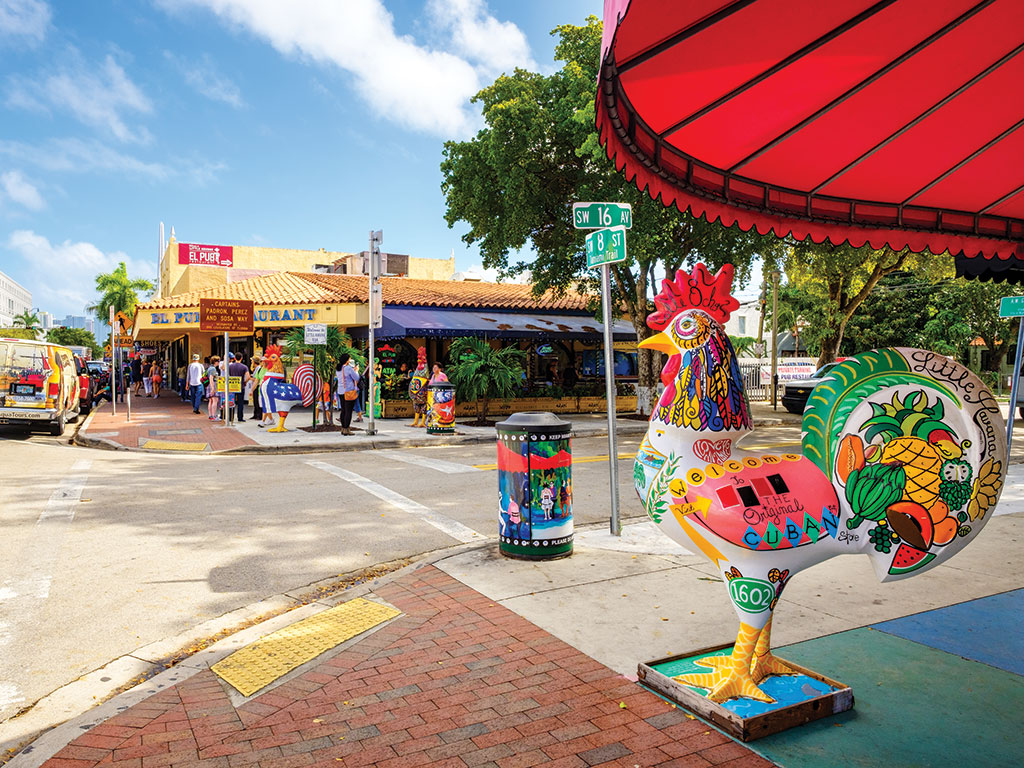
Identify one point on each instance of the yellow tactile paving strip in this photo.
(261, 663)
(171, 445)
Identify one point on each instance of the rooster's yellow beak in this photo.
(660, 342)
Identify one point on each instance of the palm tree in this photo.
(119, 291)
(28, 320)
(480, 372)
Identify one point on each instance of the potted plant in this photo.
(481, 373)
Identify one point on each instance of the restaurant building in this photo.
(555, 331)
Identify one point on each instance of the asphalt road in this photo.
(107, 551)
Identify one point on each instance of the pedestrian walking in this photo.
(239, 369)
(357, 409)
(135, 366)
(347, 386)
(195, 383)
(254, 386)
(182, 382)
(156, 377)
(212, 395)
(147, 378)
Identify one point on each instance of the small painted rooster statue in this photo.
(903, 458)
(276, 394)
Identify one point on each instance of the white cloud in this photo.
(77, 263)
(203, 77)
(20, 190)
(96, 96)
(24, 18)
(419, 87)
(496, 46)
(70, 154)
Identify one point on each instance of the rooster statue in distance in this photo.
(903, 457)
(278, 395)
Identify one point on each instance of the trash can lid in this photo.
(533, 420)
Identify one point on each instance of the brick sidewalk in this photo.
(165, 419)
(456, 681)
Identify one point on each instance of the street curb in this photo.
(378, 444)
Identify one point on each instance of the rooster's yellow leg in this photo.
(731, 678)
(765, 662)
(280, 423)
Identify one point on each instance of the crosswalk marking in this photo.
(439, 465)
(22, 595)
(443, 523)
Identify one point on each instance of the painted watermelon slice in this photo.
(908, 558)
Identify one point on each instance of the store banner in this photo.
(205, 255)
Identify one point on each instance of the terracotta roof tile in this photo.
(284, 288)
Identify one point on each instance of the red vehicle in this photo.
(86, 387)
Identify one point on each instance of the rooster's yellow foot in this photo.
(769, 664)
(277, 429)
(726, 683)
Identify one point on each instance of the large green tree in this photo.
(967, 310)
(119, 291)
(514, 184)
(830, 283)
(76, 337)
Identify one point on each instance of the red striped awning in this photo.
(896, 122)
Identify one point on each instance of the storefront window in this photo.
(593, 363)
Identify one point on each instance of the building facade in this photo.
(190, 267)
(14, 300)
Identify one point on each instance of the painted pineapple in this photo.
(914, 436)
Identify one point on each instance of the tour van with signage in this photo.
(39, 385)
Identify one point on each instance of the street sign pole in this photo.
(376, 308)
(115, 378)
(605, 247)
(1015, 386)
(227, 383)
(1013, 306)
(609, 388)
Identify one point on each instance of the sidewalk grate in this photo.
(261, 663)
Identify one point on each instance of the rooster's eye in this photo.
(686, 327)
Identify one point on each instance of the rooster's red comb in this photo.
(273, 349)
(696, 290)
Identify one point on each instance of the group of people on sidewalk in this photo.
(148, 374)
(200, 381)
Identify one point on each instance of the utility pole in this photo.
(775, 340)
(375, 322)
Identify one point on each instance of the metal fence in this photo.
(756, 389)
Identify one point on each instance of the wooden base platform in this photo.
(799, 698)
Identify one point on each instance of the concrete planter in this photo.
(592, 405)
(626, 403)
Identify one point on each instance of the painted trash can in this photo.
(535, 486)
(440, 409)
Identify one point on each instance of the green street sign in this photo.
(1011, 306)
(601, 215)
(606, 246)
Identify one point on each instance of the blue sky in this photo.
(282, 123)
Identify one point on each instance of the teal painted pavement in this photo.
(787, 690)
(916, 707)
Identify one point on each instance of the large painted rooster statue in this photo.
(276, 394)
(903, 459)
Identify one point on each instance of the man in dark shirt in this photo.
(241, 370)
(136, 369)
